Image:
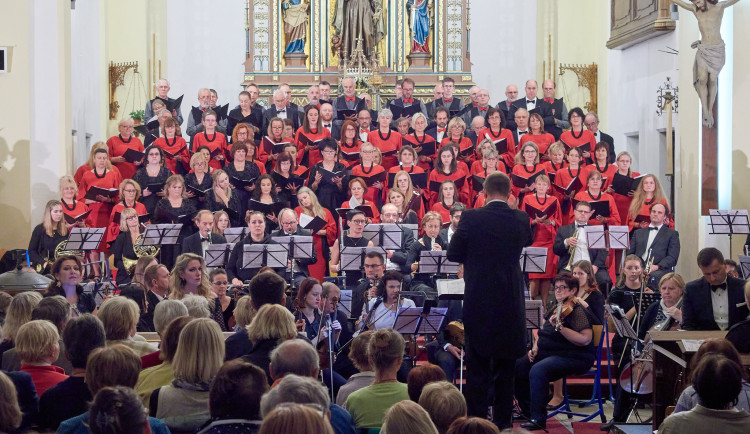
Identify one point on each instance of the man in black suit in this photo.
(199, 241)
(532, 104)
(564, 240)
(156, 280)
(325, 92)
(398, 105)
(396, 260)
(488, 242)
(456, 211)
(591, 121)
(162, 89)
(716, 301)
(507, 107)
(290, 226)
(194, 124)
(347, 101)
(454, 105)
(280, 109)
(483, 104)
(557, 107)
(326, 118)
(439, 128)
(658, 240)
(522, 125)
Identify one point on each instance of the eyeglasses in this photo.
(132, 217)
(561, 287)
(358, 222)
(130, 190)
(221, 283)
(373, 265)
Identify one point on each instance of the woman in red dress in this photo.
(130, 192)
(556, 162)
(577, 135)
(312, 130)
(496, 132)
(545, 230)
(419, 138)
(537, 135)
(649, 192)
(623, 162)
(71, 207)
(490, 163)
(368, 168)
(274, 135)
(527, 164)
(89, 164)
(413, 196)
(564, 177)
(446, 167)
(388, 141)
(601, 164)
(325, 237)
(349, 144)
(174, 147)
(594, 193)
(456, 130)
(357, 189)
(212, 139)
(120, 143)
(446, 199)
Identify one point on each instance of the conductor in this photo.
(488, 242)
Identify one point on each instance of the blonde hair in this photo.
(316, 208)
(124, 214)
(519, 155)
(272, 321)
(457, 121)
(295, 418)
(19, 312)
(51, 227)
(676, 278)
(407, 417)
(215, 177)
(119, 316)
(172, 180)
(177, 283)
(10, 412)
(135, 185)
(217, 216)
(94, 147)
(243, 311)
(358, 351)
(200, 352)
(556, 147)
(198, 156)
(639, 196)
(443, 402)
(386, 347)
(196, 306)
(416, 116)
(36, 340)
(66, 180)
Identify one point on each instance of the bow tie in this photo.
(447, 99)
(530, 101)
(326, 125)
(281, 111)
(363, 131)
(204, 109)
(651, 228)
(441, 130)
(349, 99)
(205, 239)
(580, 226)
(716, 287)
(521, 133)
(550, 100)
(408, 100)
(482, 109)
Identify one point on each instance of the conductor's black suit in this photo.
(488, 242)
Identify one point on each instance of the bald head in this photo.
(294, 356)
(313, 95)
(389, 213)
(349, 85)
(474, 94)
(531, 88)
(438, 91)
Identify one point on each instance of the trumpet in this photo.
(571, 252)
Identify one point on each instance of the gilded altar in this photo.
(300, 42)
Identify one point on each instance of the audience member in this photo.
(117, 410)
(10, 412)
(163, 315)
(160, 375)
(26, 396)
(37, 345)
(272, 325)
(120, 318)
(444, 403)
(420, 376)
(295, 418)
(197, 306)
(407, 417)
(238, 344)
(358, 356)
(473, 425)
(19, 313)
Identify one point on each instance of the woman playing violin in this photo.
(385, 307)
(564, 347)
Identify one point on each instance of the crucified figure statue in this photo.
(710, 57)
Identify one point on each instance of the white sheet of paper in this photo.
(618, 237)
(595, 237)
(692, 345)
(304, 219)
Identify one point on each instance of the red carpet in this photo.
(555, 427)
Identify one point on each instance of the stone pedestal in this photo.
(419, 62)
(295, 61)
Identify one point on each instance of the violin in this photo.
(564, 308)
(455, 332)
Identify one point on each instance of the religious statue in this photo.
(710, 57)
(420, 23)
(357, 20)
(295, 25)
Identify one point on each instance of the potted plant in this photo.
(137, 116)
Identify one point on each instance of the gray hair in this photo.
(167, 310)
(294, 356)
(160, 80)
(592, 114)
(296, 389)
(385, 112)
(416, 116)
(197, 306)
(278, 93)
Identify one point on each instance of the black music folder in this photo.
(536, 212)
(623, 185)
(435, 186)
(521, 182)
(273, 148)
(575, 185)
(265, 208)
(97, 191)
(132, 156)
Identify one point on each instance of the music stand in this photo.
(345, 302)
(256, 256)
(217, 255)
(407, 320)
(353, 258)
(86, 239)
(595, 238)
(436, 262)
(534, 260)
(385, 235)
(729, 222)
(745, 266)
(235, 235)
(298, 247)
(432, 321)
(622, 325)
(161, 235)
(414, 229)
(534, 314)
(648, 299)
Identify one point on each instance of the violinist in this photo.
(343, 329)
(588, 292)
(384, 308)
(306, 311)
(367, 286)
(564, 347)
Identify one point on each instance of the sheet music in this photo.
(692, 345)
(744, 262)
(533, 260)
(235, 235)
(534, 314)
(450, 286)
(619, 238)
(729, 221)
(304, 219)
(595, 238)
(407, 320)
(431, 323)
(345, 302)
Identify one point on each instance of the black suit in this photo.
(509, 113)
(397, 107)
(301, 263)
(665, 249)
(255, 118)
(606, 138)
(399, 256)
(697, 306)
(122, 247)
(192, 244)
(292, 112)
(598, 257)
(542, 108)
(455, 106)
(432, 132)
(488, 241)
(517, 138)
(340, 103)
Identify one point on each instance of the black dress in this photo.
(234, 266)
(122, 247)
(42, 246)
(328, 193)
(143, 179)
(166, 213)
(250, 173)
(86, 302)
(236, 216)
(192, 181)
(227, 313)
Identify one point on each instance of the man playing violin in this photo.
(564, 347)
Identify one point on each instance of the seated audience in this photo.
(197, 306)
(271, 325)
(26, 396)
(70, 397)
(420, 376)
(407, 417)
(162, 374)
(238, 344)
(10, 412)
(19, 313)
(444, 403)
(366, 375)
(163, 315)
(120, 318)
(718, 382)
(118, 410)
(183, 405)
(37, 345)
(473, 425)
(295, 418)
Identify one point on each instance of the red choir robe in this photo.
(313, 155)
(416, 143)
(177, 147)
(100, 211)
(117, 147)
(645, 211)
(465, 146)
(607, 172)
(544, 235)
(563, 178)
(318, 269)
(375, 212)
(506, 134)
(393, 171)
(352, 149)
(574, 140)
(212, 142)
(75, 209)
(623, 202)
(614, 216)
(479, 171)
(522, 170)
(542, 141)
(444, 211)
(389, 146)
(459, 176)
(372, 194)
(113, 230)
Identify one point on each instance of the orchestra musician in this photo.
(657, 245)
(198, 179)
(47, 235)
(589, 295)
(397, 259)
(221, 222)
(432, 222)
(384, 307)
(120, 143)
(330, 305)
(151, 177)
(222, 197)
(716, 301)
(307, 314)
(67, 273)
(406, 215)
(290, 226)
(130, 192)
(352, 238)
(256, 223)
(122, 245)
(365, 288)
(199, 241)
(324, 237)
(172, 143)
(488, 243)
(564, 347)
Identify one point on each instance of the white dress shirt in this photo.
(582, 250)
(720, 305)
(651, 235)
(531, 105)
